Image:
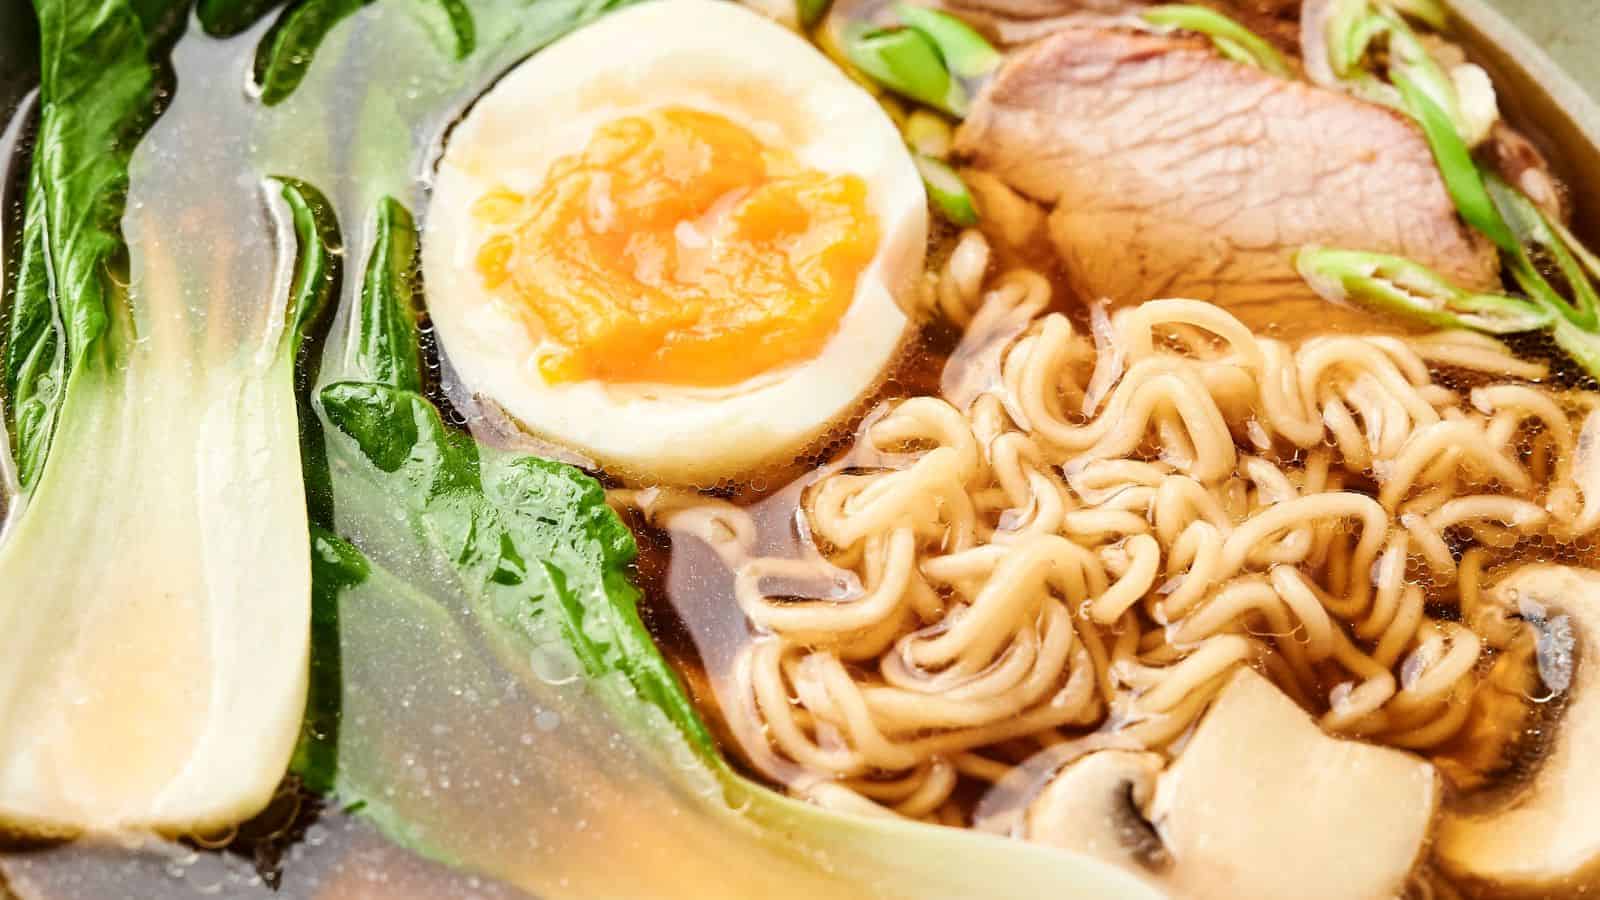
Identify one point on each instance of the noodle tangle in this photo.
(1088, 532)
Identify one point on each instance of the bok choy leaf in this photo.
(503, 707)
(290, 46)
(77, 181)
(157, 590)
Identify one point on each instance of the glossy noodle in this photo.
(1094, 530)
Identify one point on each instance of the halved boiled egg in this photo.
(675, 241)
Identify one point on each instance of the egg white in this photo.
(707, 55)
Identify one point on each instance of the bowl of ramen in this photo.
(599, 450)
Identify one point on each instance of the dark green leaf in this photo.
(97, 94)
(383, 345)
(335, 567)
(532, 543)
(286, 53)
(226, 18)
(461, 25)
(318, 266)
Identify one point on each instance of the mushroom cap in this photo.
(1262, 803)
(1538, 835)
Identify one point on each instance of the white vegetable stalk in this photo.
(156, 596)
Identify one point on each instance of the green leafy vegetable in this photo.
(97, 52)
(1231, 39)
(163, 684)
(504, 708)
(226, 18)
(287, 50)
(461, 24)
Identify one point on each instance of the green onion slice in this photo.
(1397, 285)
(906, 61)
(1460, 172)
(947, 191)
(1581, 344)
(1231, 39)
(966, 54)
(928, 134)
(1533, 230)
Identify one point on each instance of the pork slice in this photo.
(1169, 171)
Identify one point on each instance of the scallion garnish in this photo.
(1231, 39)
(1397, 285)
(947, 191)
(906, 61)
(966, 54)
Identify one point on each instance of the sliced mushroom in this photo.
(1537, 835)
(1263, 803)
(1095, 806)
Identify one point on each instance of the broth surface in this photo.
(216, 254)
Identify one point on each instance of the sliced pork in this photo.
(1169, 171)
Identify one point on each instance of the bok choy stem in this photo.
(71, 239)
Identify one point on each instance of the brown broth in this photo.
(317, 852)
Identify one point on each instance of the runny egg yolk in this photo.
(678, 248)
